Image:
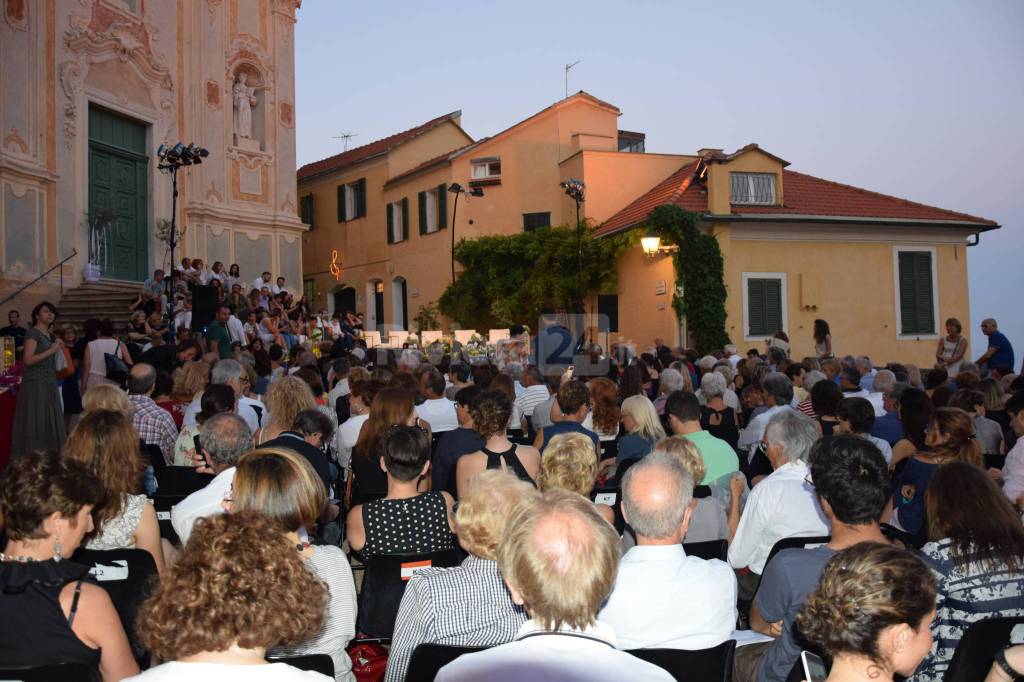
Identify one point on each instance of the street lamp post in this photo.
(457, 189)
(574, 189)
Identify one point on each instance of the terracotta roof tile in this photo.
(368, 151)
(673, 189)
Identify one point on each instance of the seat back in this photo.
(609, 449)
(65, 672)
(129, 576)
(809, 542)
(977, 649)
(708, 665)
(463, 335)
(181, 480)
(712, 549)
(163, 505)
(397, 337)
(154, 456)
(372, 339)
(384, 584)
(429, 337)
(428, 659)
(318, 663)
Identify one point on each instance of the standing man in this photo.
(218, 339)
(999, 356)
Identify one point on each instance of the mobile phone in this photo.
(814, 667)
(199, 448)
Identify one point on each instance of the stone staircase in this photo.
(105, 298)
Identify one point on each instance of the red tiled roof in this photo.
(804, 195)
(368, 151)
(429, 163)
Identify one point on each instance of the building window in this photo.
(306, 206)
(433, 204)
(352, 200)
(753, 188)
(764, 304)
(916, 291)
(398, 221)
(631, 142)
(309, 289)
(607, 312)
(535, 221)
(486, 169)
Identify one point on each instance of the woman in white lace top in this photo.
(107, 442)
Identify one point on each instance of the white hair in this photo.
(730, 348)
(794, 431)
(670, 380)
(707, 363)
(712, 385)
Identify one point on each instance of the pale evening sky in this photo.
(921, 99)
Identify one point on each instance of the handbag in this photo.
(369, 661)
(64, 365)
(117, 369)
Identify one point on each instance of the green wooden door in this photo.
(118, 183)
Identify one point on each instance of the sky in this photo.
(921, 99)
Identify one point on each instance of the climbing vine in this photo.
(700, 275)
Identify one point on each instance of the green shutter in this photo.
(405, 218)
(756, 307)
(391, 215)
(442, 206)
(917, 305)
(341, 203)
(773, 305)
(360, 198)
(423, 212)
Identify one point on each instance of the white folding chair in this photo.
(397, 338)
(496, 335)
(429, 337)
(462, 335)
(372, 339)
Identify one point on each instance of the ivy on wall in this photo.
(508, 279)
(700, 275)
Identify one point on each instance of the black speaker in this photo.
(204, 306)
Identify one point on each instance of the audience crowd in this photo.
(554, 518)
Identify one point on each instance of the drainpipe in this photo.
(977, 240)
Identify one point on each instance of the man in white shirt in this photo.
(436, 410)
(340, 367)
(183, 318)
(229, 372)
(849, 382)
(262, 281)
(278, 286)
(731, 355)
(783, 505)
(778, 394)
(535, 391)
(657, 580)
(236, 330)
(558, 558)
(882, 385)
(224, 438)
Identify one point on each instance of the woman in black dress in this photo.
(38, 419)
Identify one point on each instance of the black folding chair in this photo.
(384, 583)
(428, 659)
(711, 549)
(808, 542)
(995, 461)
(610, 495)
(65, 672)
(180, 480)
(977, 649)
(163, 505)
(318, 663)
(154, 456)
(707, 665)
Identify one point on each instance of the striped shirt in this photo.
(467, 605)
(330, 565)
(530, 398)
(966, 594)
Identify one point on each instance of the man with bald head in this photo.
(657, 581)
(558, 559)
(999, 355)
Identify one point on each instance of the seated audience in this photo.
(976, 554)
(778, 392)
(782, 505)
(285, 398)
(52, 611)
(988, 432)
(657, 580)
(871, 612)
(490, 414)
(825, 399)
(283, 486)
(559, 559)
(309, 435)
(155, 426)
(457, 442)
(238, 589)
(123, 519)
(573, 403)
(882, 384)
(716, 416)
(1013, 469)
(216, 399)
(851, 482)
(915, 411)
(224, 438)
(642, 428)
(367, 480)
(467, 605)
(887, 426)
(811, 379)
(856, 416)
(106, 397)
(405, 521)
(684, 414)
(360, 397)
(604, 416)
(230, 372)
(570, 463)
(436, 409)
(709, 520)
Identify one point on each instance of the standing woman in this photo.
(822, 340)
(952, 347)
(94, 369)
(38, 421)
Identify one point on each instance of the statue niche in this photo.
(248, 96)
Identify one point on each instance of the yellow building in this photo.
(883, 271)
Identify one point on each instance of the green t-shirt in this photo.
(719, 457)
(219, 333)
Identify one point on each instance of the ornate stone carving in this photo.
(212, 6)
(213, 94)
(244, 99)
(16, 14)
(71, 76)
(213, 195)
(122, 42)
(14, 138)
(287, 114)
(288, 205)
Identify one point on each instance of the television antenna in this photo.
(346, 137)
(568, 67)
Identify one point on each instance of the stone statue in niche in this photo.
(244, 99)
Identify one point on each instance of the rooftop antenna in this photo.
(346, 137)
(568, 67)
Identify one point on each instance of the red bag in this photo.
(369, 661)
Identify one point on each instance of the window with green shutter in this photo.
(916, 292)
(342, 194)
(764, 306)
(442, 206)
(306, 206)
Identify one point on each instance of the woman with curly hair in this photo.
(109, 445)
(570, 463)
(286, 397)
(283, 486)
(238, 589)
(871, 613)
(189, 381)
(490, 415)
(604, 417)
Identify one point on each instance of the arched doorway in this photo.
(399, 304)
(375, 305)
(344, 300)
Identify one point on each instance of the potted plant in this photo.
(98, 224)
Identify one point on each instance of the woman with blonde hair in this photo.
(286, 397)
(239, 589)
(109, 445)
(189, 381)
(283, 486)
(643, 428)
(570, 463)
(106, 397)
